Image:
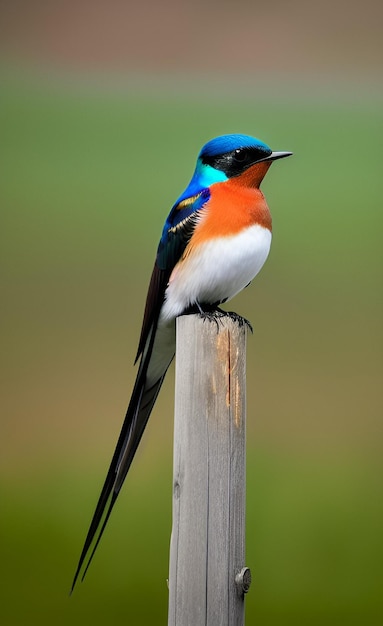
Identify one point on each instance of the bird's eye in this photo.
(241, 155)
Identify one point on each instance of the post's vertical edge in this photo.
(237, 471)
(208, 533)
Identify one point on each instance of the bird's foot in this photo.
(213, 313)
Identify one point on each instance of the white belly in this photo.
(216, 270)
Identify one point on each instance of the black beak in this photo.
(277, 155)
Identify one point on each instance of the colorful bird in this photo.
(214, 242)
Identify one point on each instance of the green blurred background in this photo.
(104, 107)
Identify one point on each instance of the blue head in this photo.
(224, 157)
(226, 144)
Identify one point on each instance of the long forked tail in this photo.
(137, 415)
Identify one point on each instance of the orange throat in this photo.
(231, 209)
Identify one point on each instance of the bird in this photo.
(215, 240)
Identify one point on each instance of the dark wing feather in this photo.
(137, 415)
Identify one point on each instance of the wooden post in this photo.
(208, 578)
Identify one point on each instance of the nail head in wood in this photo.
(243, 580)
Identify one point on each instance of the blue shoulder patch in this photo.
(183, 208)
(179, 227)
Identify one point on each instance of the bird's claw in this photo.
(217, 314)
